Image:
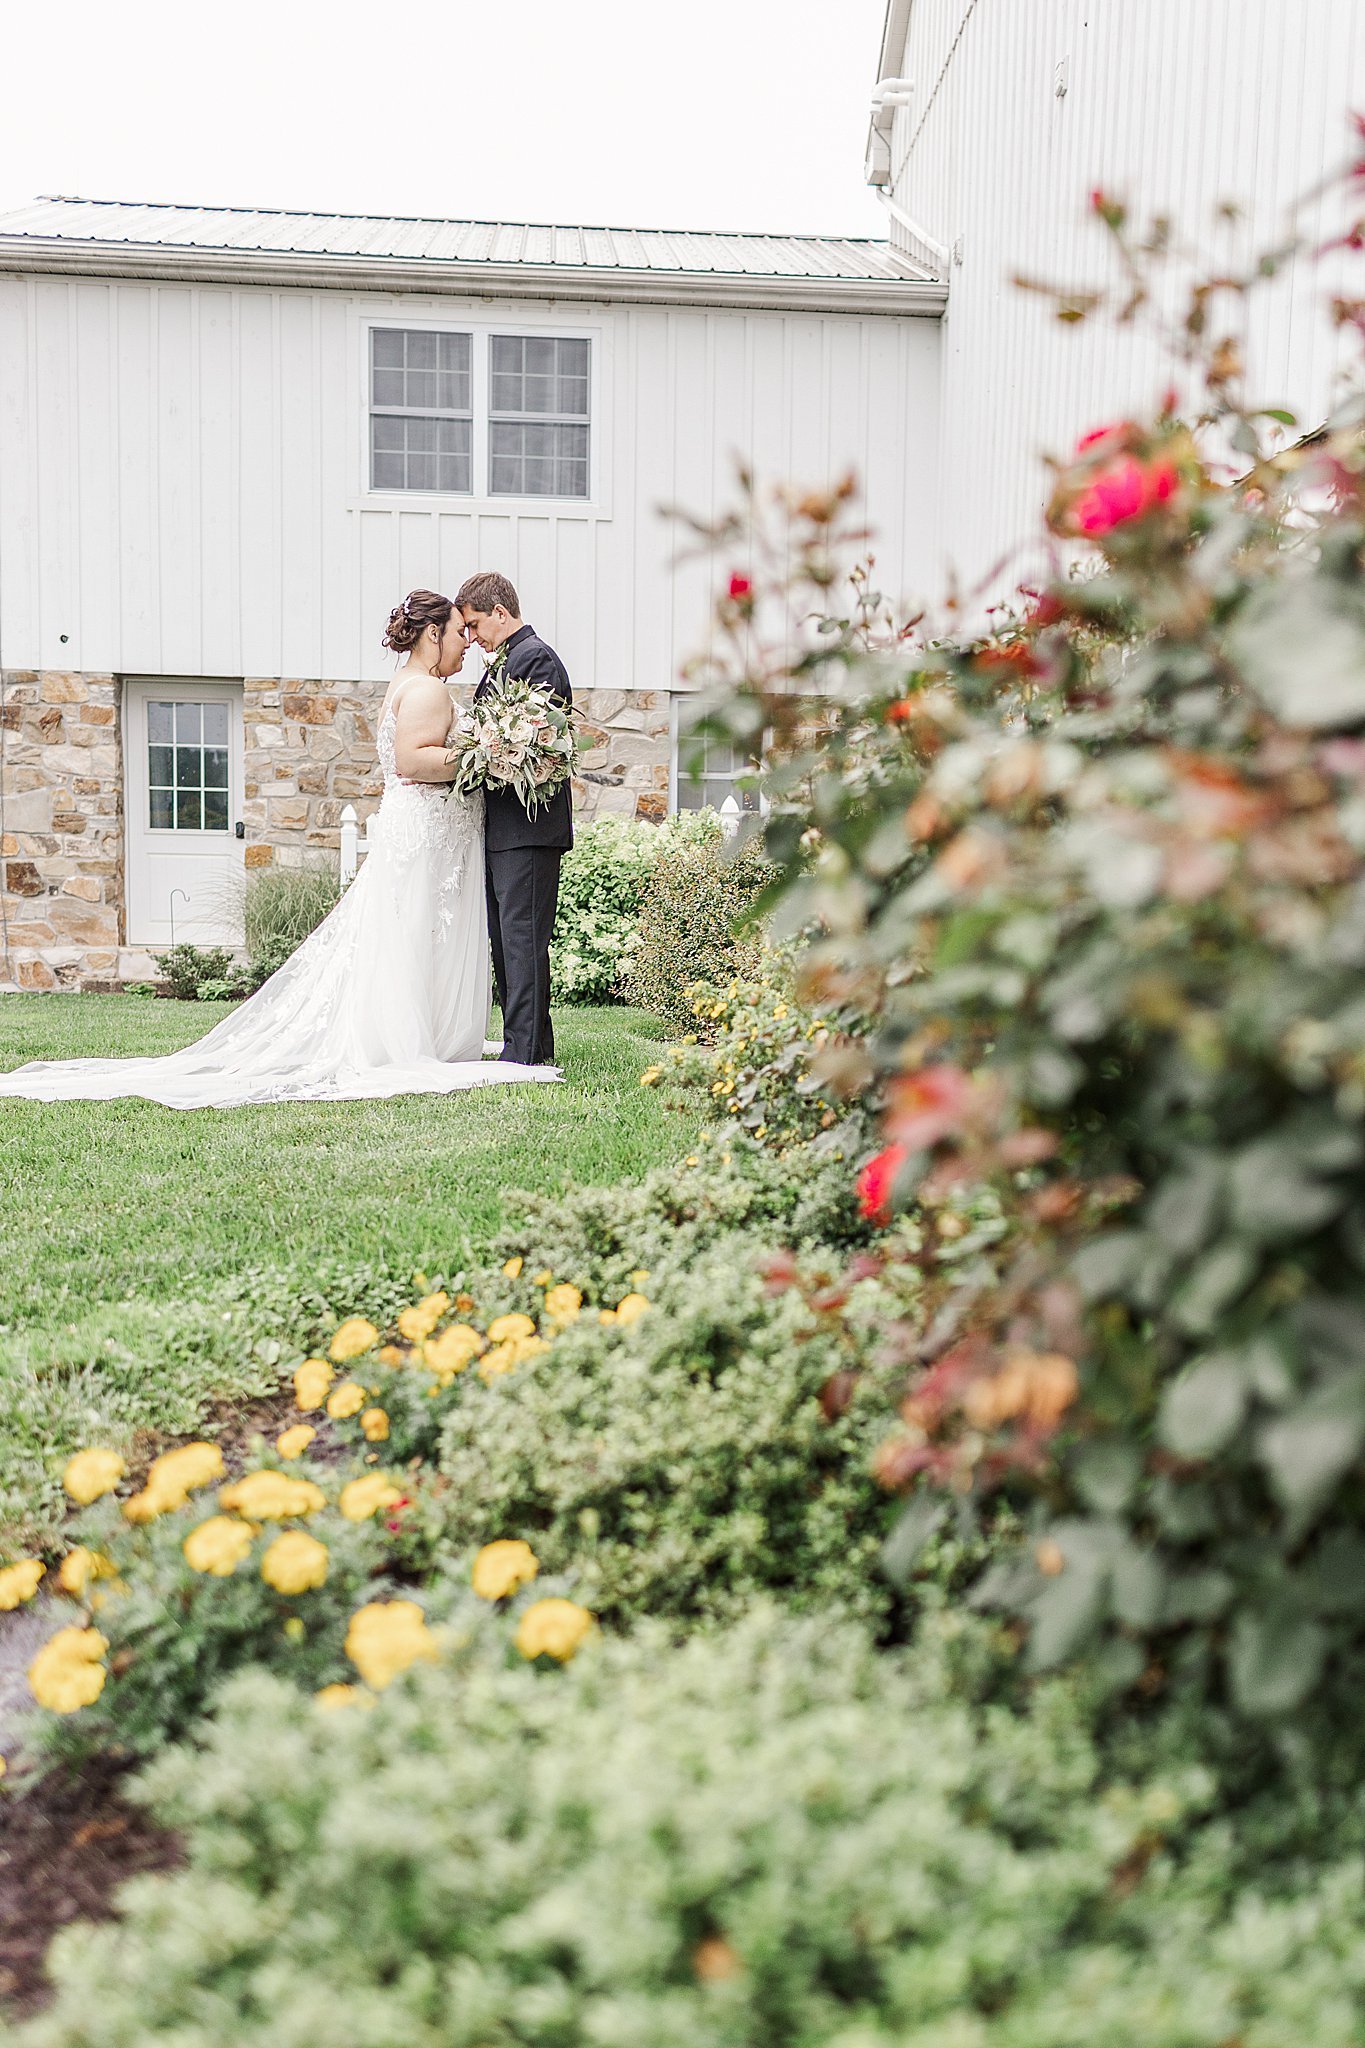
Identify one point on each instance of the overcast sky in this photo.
(712, 114)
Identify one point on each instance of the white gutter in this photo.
(52, 256)
(936, 251)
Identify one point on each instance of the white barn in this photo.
(229, 442)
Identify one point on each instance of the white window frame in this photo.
(677, 721)
(481, 499)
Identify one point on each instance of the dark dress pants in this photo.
(523, 894)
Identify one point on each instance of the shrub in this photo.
(597, 927)
(697, 893)
(771, 1836)
(188, 968)
(283, 906)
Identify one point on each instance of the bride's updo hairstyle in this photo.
(410, 619)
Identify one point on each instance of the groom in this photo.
(521, 853)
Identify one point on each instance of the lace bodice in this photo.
(425, 821)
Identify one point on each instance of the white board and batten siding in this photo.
(1017, 111)
(184, 488)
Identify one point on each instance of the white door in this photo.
(182, 745)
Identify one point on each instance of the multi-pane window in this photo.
(187, 767)
(707, 771)
(538, 416)
(421, 410)
(520, 403)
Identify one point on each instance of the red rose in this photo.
(1126, 490)
(897, 713)
(740, 587)
(927, 1105)
(876, 1181)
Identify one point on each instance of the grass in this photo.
(158, 1260)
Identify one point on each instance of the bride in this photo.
(391, 994)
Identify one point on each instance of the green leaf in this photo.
(1106, 1475)
(1184, 1211)
(1306, 1451)
(902, 1548)
(1213, 1286)
(1301, 647)
(1067, 1608)
(1273, 1198)
(1203, 1410)
(1274, 1659)
(1200, 1595)
(1107, 1267)
(1137, 1587)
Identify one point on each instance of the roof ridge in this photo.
(445, 220)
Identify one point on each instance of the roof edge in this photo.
(158, 263)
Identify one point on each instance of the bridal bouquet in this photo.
(516, 737)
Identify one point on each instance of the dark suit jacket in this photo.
(507, 821)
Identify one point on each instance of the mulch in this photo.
(70, 1841)
(65, 1848)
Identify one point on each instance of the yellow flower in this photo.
(502, 1328)
(544, 1277)
(272, 1497)
(386, 1637)
(292, 1443)
(375, 1424)
(80, 1566)
(507, 1357)
(333, 1696)
(19, 1582)
(553, 1628)
(650, 1076)
(346, 1400)
(364, 1497)
(606, 1315)
(631, 1309)
(92, 1473)
(500, 1568)
(638, 1277)
(295, 1562)
(172, 1478)
(513, 1268)
(68, 1672)
(293, 1630)
(563, 1302)
(311, 1382)
(217, 1546)
(419, 1321)
(356, 1335)
(391, 1354)
(452, 1351)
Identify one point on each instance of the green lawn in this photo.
(156, 1259)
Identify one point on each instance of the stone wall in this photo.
(310, 751)
(62, 846)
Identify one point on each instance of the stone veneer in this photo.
(309, 752)
(61, 855)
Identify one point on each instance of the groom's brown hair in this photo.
(488, 588)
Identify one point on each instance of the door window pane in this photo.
(188, 783)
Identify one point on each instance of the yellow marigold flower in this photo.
(544, 1277)
(606, 1315)
(80, 1566)
(295, 1562)
(563, 1302)
(385, 1638)
(68, 1672)
(311, 1382)
(293, 1630)
(356, 1335)
(503, 1328)
(217, 1546)
(182, 1470)
(375, 1425)
(452, 1351)
(513, 1268)
(365, 1497)
(333, 1696)
(272, 1497)
(19, 1582)
(553, 1628)
(92, 1473)
(631, 1309)
(650, 1076)
(639, 1277)
(419, 1321)
(292, 1443)
(391, 1354)
(507, 1357)
(500, 1568)
(346, 1400)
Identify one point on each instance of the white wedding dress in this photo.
(390, 995)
